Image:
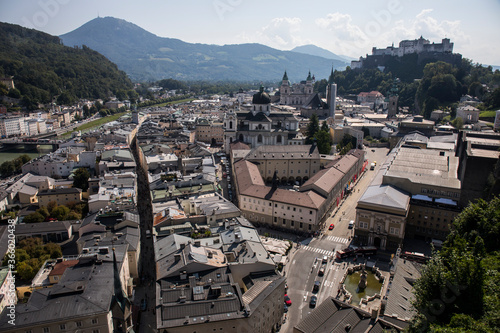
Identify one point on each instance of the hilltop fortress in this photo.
(422, 47)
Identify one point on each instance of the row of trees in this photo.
(10, 168)
(55, 212)
(459, 290)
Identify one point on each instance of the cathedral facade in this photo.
(261, 125)
(298, 93)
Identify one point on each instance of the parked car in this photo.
(351, 224)
(285, 308)
(312, 302)
(331, 226)
(288, 301)
(316, 286)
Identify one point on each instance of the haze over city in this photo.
(344, 28)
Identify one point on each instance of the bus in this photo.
(415, 256)
(350, 252)
(367, 250)
(345, 253)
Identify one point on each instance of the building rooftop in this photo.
(85, 289)
(424, 166)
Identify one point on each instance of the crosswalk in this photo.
(337, 239)
(317, 250)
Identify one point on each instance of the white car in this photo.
(351, 224)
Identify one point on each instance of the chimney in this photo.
(197, 243)
(192, 281)
(374, 314)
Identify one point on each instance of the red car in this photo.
(288, 301)
(331, 227)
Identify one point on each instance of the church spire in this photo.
(330, 79)
(285, 77)
(309, 78)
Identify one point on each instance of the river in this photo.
(12, 153)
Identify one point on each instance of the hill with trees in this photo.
(44, 69)
(423, 88)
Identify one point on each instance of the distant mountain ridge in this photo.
(145, 56)
(320, 52)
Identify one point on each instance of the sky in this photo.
(345, 27)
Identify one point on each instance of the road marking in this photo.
(338, 239)
(317, 250)
(293, 262)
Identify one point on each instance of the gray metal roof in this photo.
(84, 290)
(385, 196)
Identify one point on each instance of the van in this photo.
(351, 224)
(325, 259)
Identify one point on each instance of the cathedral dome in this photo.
(261, 97)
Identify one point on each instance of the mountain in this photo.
(145, 56)
(43, 68)
(320, 52)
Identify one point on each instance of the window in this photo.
(363, 225)
(292, 223)
(309, 227)
(394, 231)
(46, 330)
(62, 327)
(95, 331)
(300, 225)
(94, 321)
(78, 324)
(310, 212)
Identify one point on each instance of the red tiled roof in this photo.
(60, 267)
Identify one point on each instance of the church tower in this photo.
(309, 86)
(331, 96)
(230, 128)
(392, 109)
(285, 90)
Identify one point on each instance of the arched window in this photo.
(231, 124)
(278, 139)
(230, 140)
(259, 138)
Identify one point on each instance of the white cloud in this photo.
(343, 36)
(281, 33)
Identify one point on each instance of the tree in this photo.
(81, 179)
(60, 213)
(34, 218)
(458, 122)
(325, 127)
(324, 142)
(312, 128)
(459, 287)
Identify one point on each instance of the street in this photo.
(306, 257)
